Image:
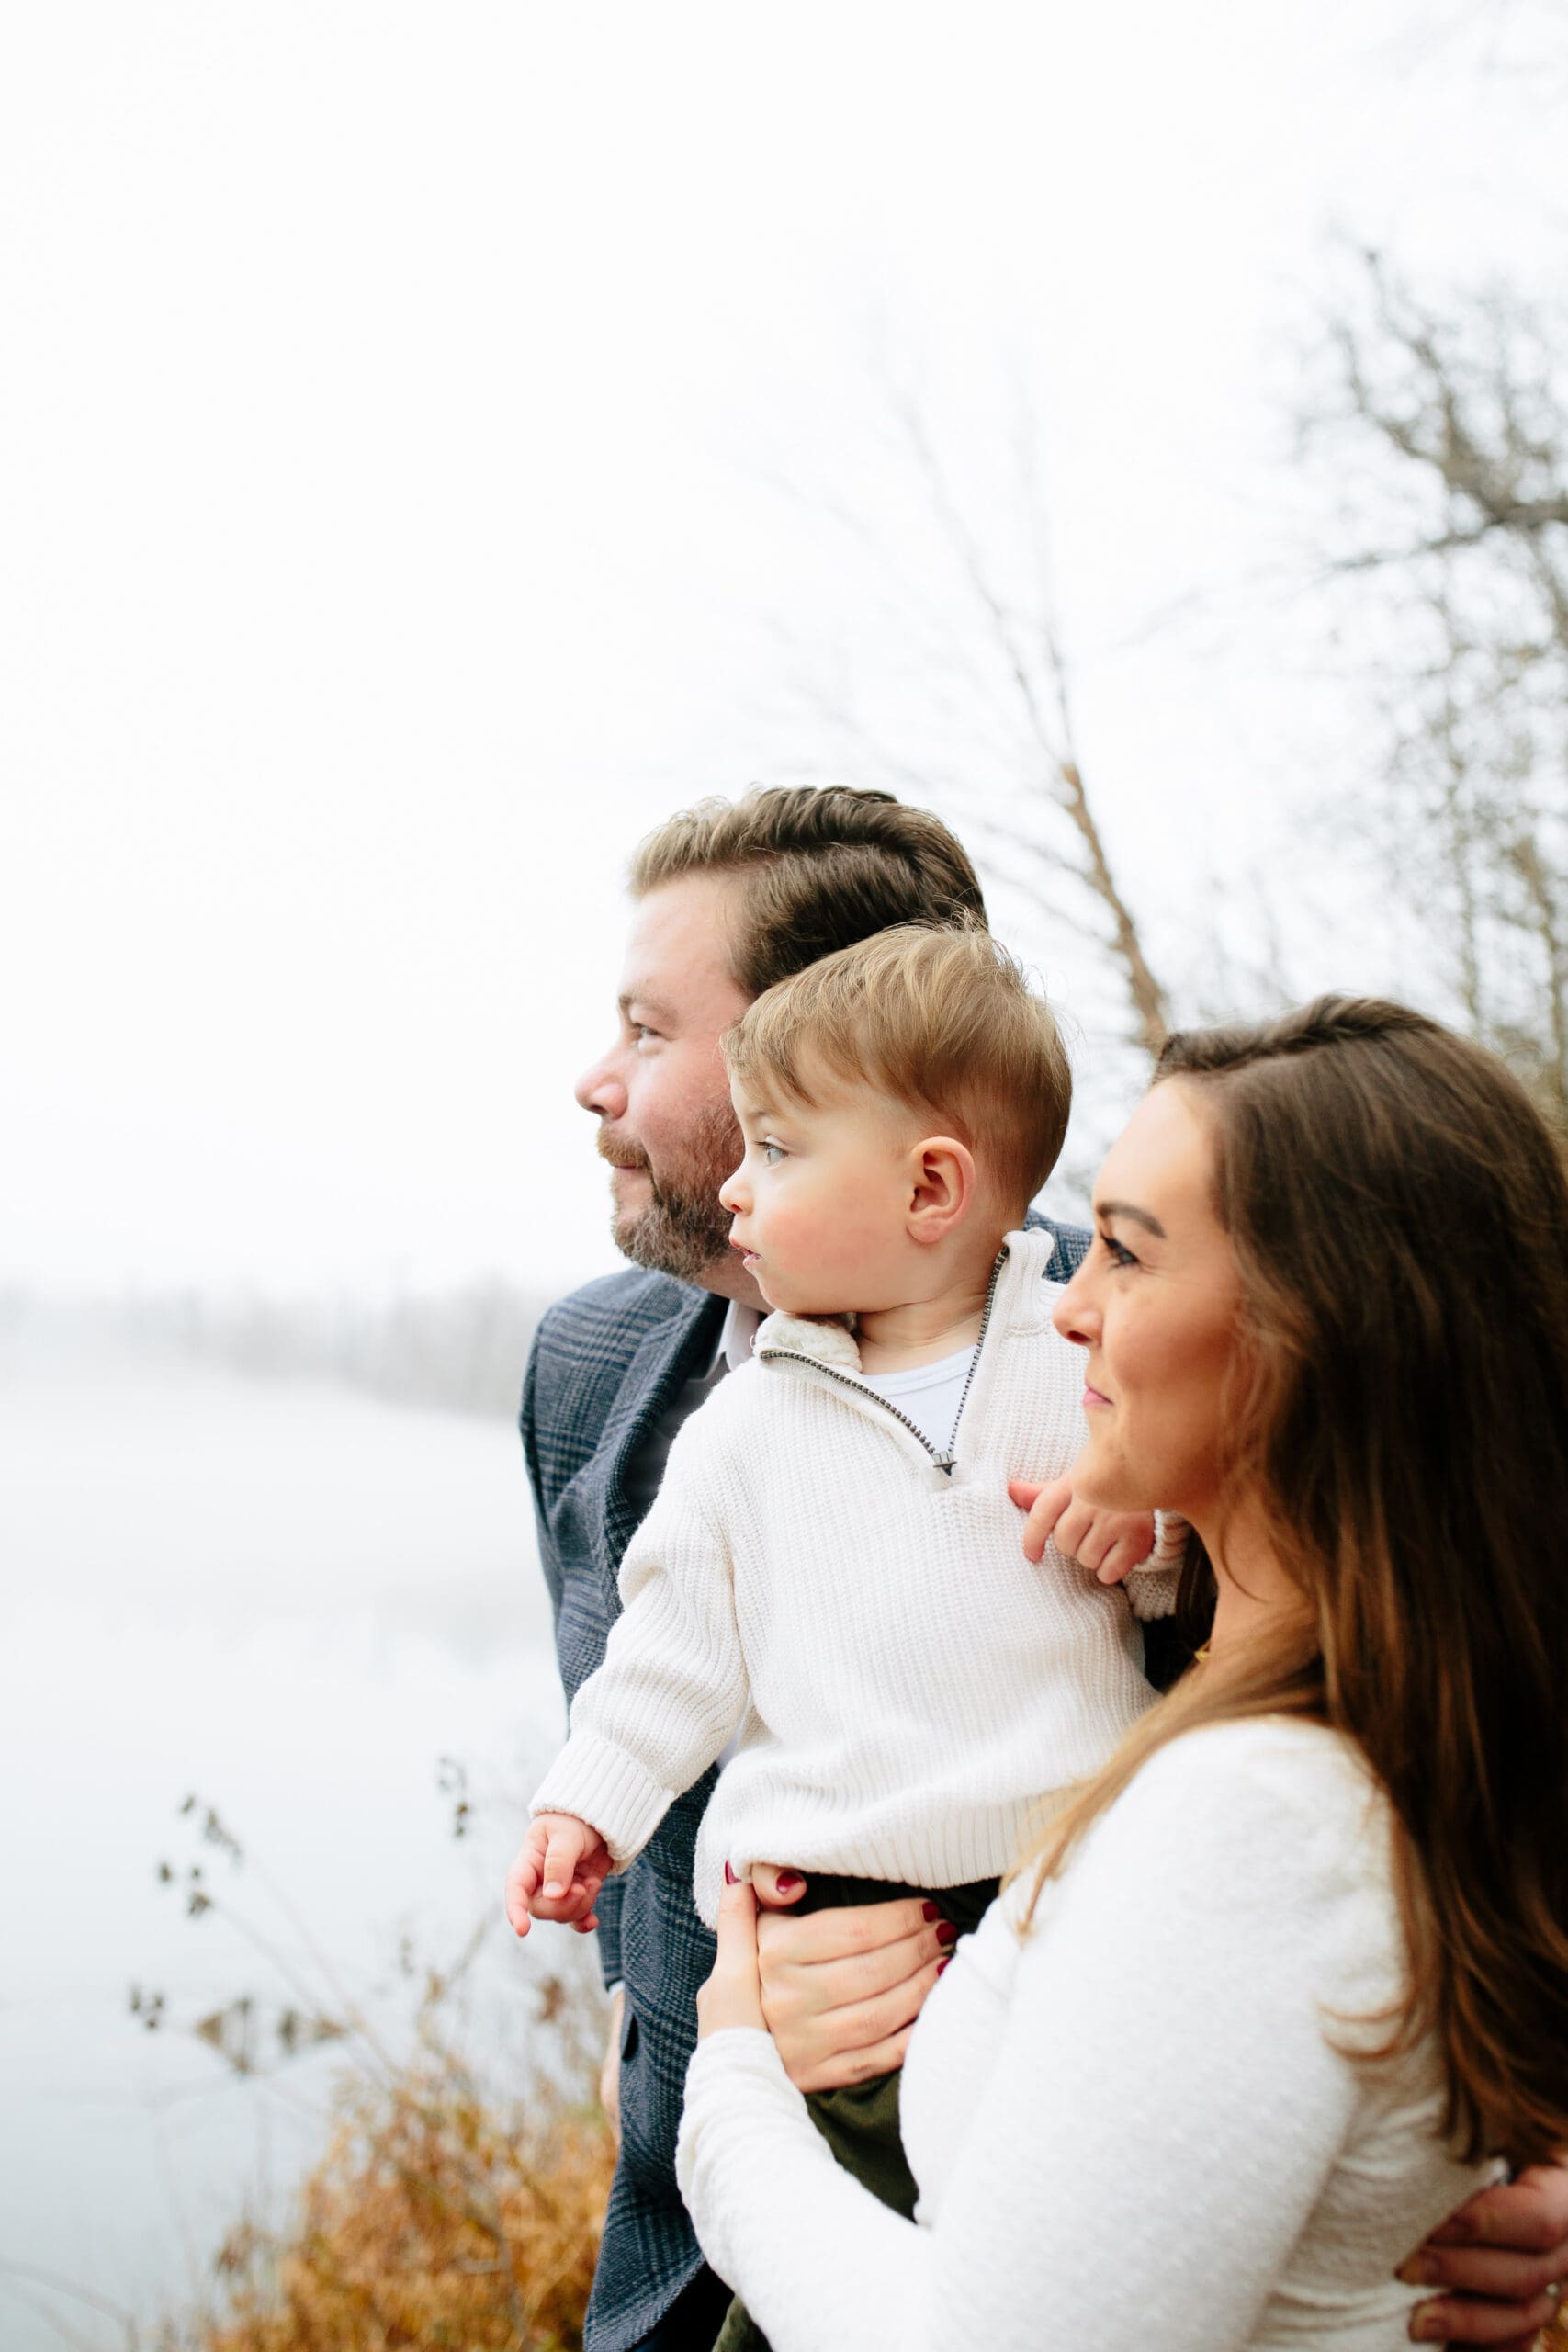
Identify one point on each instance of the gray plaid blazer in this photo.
(606, 1362)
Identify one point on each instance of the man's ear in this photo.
(942, 1187)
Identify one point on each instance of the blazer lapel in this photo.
(668, 1356)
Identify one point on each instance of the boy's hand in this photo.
(561, 1867)
(1110, 1543)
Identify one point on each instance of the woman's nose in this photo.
(599, 1090)
(1075, 1314)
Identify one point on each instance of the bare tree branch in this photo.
(1456, 543)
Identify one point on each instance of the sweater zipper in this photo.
(943, 1461)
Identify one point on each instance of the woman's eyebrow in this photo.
(1128, 1209)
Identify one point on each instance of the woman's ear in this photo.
(942, 1187)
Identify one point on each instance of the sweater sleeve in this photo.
(1163, 2111)
(671, 1688)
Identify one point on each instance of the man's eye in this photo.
(641, 1032)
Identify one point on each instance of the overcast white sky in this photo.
(384, 424)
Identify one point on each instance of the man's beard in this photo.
(683, 1229)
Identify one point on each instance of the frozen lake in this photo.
(293, 1603)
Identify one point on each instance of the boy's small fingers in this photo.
(1053, 1500)
(564, 1910)
(561, 1861)
(1045, 1506)
(1068, 1531)
(1141, 1536)
(1094, 1548)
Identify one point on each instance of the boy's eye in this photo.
(772, 1153)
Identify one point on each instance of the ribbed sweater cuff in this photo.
(735, 2053)
(1152, 1586)
(1171, 1531)
(598, 1782)
(747, 2049)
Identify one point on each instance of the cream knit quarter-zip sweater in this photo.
(907, 1687)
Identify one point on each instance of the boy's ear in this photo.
(942, 1187)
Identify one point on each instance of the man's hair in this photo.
(823, 865)
(939, 1017)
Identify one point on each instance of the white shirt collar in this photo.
(736, 1337)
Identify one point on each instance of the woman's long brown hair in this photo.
(1399, 1216)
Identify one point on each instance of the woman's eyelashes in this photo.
(1118, 1252)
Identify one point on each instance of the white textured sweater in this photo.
(1132, 2128)
(907, 1687)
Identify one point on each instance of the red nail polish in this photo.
(947, 1933)
(931, 1911)
(729, 1877)
(787, 1879)
(945, 1964)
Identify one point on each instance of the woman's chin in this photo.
(1107, 1485)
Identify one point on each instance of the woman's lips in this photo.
(1092, 1397)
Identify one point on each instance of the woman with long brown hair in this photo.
(1289, 1978)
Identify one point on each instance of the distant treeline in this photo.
(463, 1350)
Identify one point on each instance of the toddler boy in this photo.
(831, 1575)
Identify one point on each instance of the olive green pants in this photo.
(860, 2122)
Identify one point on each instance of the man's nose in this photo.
(602, 1090)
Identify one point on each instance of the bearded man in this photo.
(727, 900)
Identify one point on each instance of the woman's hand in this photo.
(840, 1990)
(733, 1993)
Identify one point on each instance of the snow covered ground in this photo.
(292, 1603)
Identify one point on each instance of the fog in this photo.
(294, 1604)
(417, 461)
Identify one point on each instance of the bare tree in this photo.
(949, 683)
(1448, 432)
(1019, 636)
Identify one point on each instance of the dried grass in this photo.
(432, 2220)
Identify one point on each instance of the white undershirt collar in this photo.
(736, 1337)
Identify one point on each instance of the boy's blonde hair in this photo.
(939, 1017)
